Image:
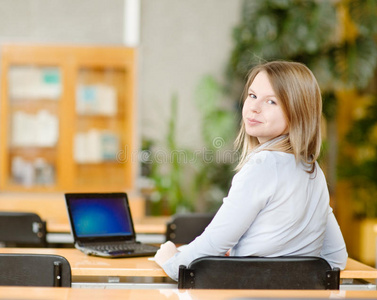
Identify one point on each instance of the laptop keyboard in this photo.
(136, 247)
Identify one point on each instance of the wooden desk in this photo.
(85, 265)
(31, 293)
(152, 225)
(356, 269)
(92, 266)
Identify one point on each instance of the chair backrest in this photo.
(290, 272)
(184, 228)
(34, 270)
(19, 229)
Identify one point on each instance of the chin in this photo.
(252, 133)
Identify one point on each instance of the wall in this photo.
(180, 41)
(61, 21)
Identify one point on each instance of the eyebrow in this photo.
(273, 95)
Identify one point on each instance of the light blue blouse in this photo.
(274, 208)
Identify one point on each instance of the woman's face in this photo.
(262, 113)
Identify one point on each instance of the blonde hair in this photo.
(299, 94)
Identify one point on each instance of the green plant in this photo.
(194, 179)
(167, 171)
(360, 164)
(213, 174)
(336, 40)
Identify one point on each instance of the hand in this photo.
(166, 251)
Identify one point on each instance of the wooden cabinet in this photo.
(67, 118)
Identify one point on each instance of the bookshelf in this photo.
(67, 118)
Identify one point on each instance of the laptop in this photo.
(101, 225)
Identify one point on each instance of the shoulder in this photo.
(259, 164)
(266, 163)
(257, 179)
(267, 158)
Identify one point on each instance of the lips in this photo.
(253, 122)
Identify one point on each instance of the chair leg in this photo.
(333, 279)
(57, 273)
(186, 278)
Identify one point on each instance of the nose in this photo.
(255, 106)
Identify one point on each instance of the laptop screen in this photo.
(99, 215)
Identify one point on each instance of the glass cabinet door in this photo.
(100, 107)
(34, 96)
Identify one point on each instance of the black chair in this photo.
(22, 229)
(184, 228)
(289, 272)
(34, 270)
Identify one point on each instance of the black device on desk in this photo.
(101, 225)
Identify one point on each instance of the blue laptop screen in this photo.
(100, 217)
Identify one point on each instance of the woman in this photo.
(278, 203)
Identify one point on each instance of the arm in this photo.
(334, 249)
(166, 251)
(251, 188)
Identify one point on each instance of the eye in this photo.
(271, 101)
(252, 96)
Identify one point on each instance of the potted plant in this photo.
(193, 179)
